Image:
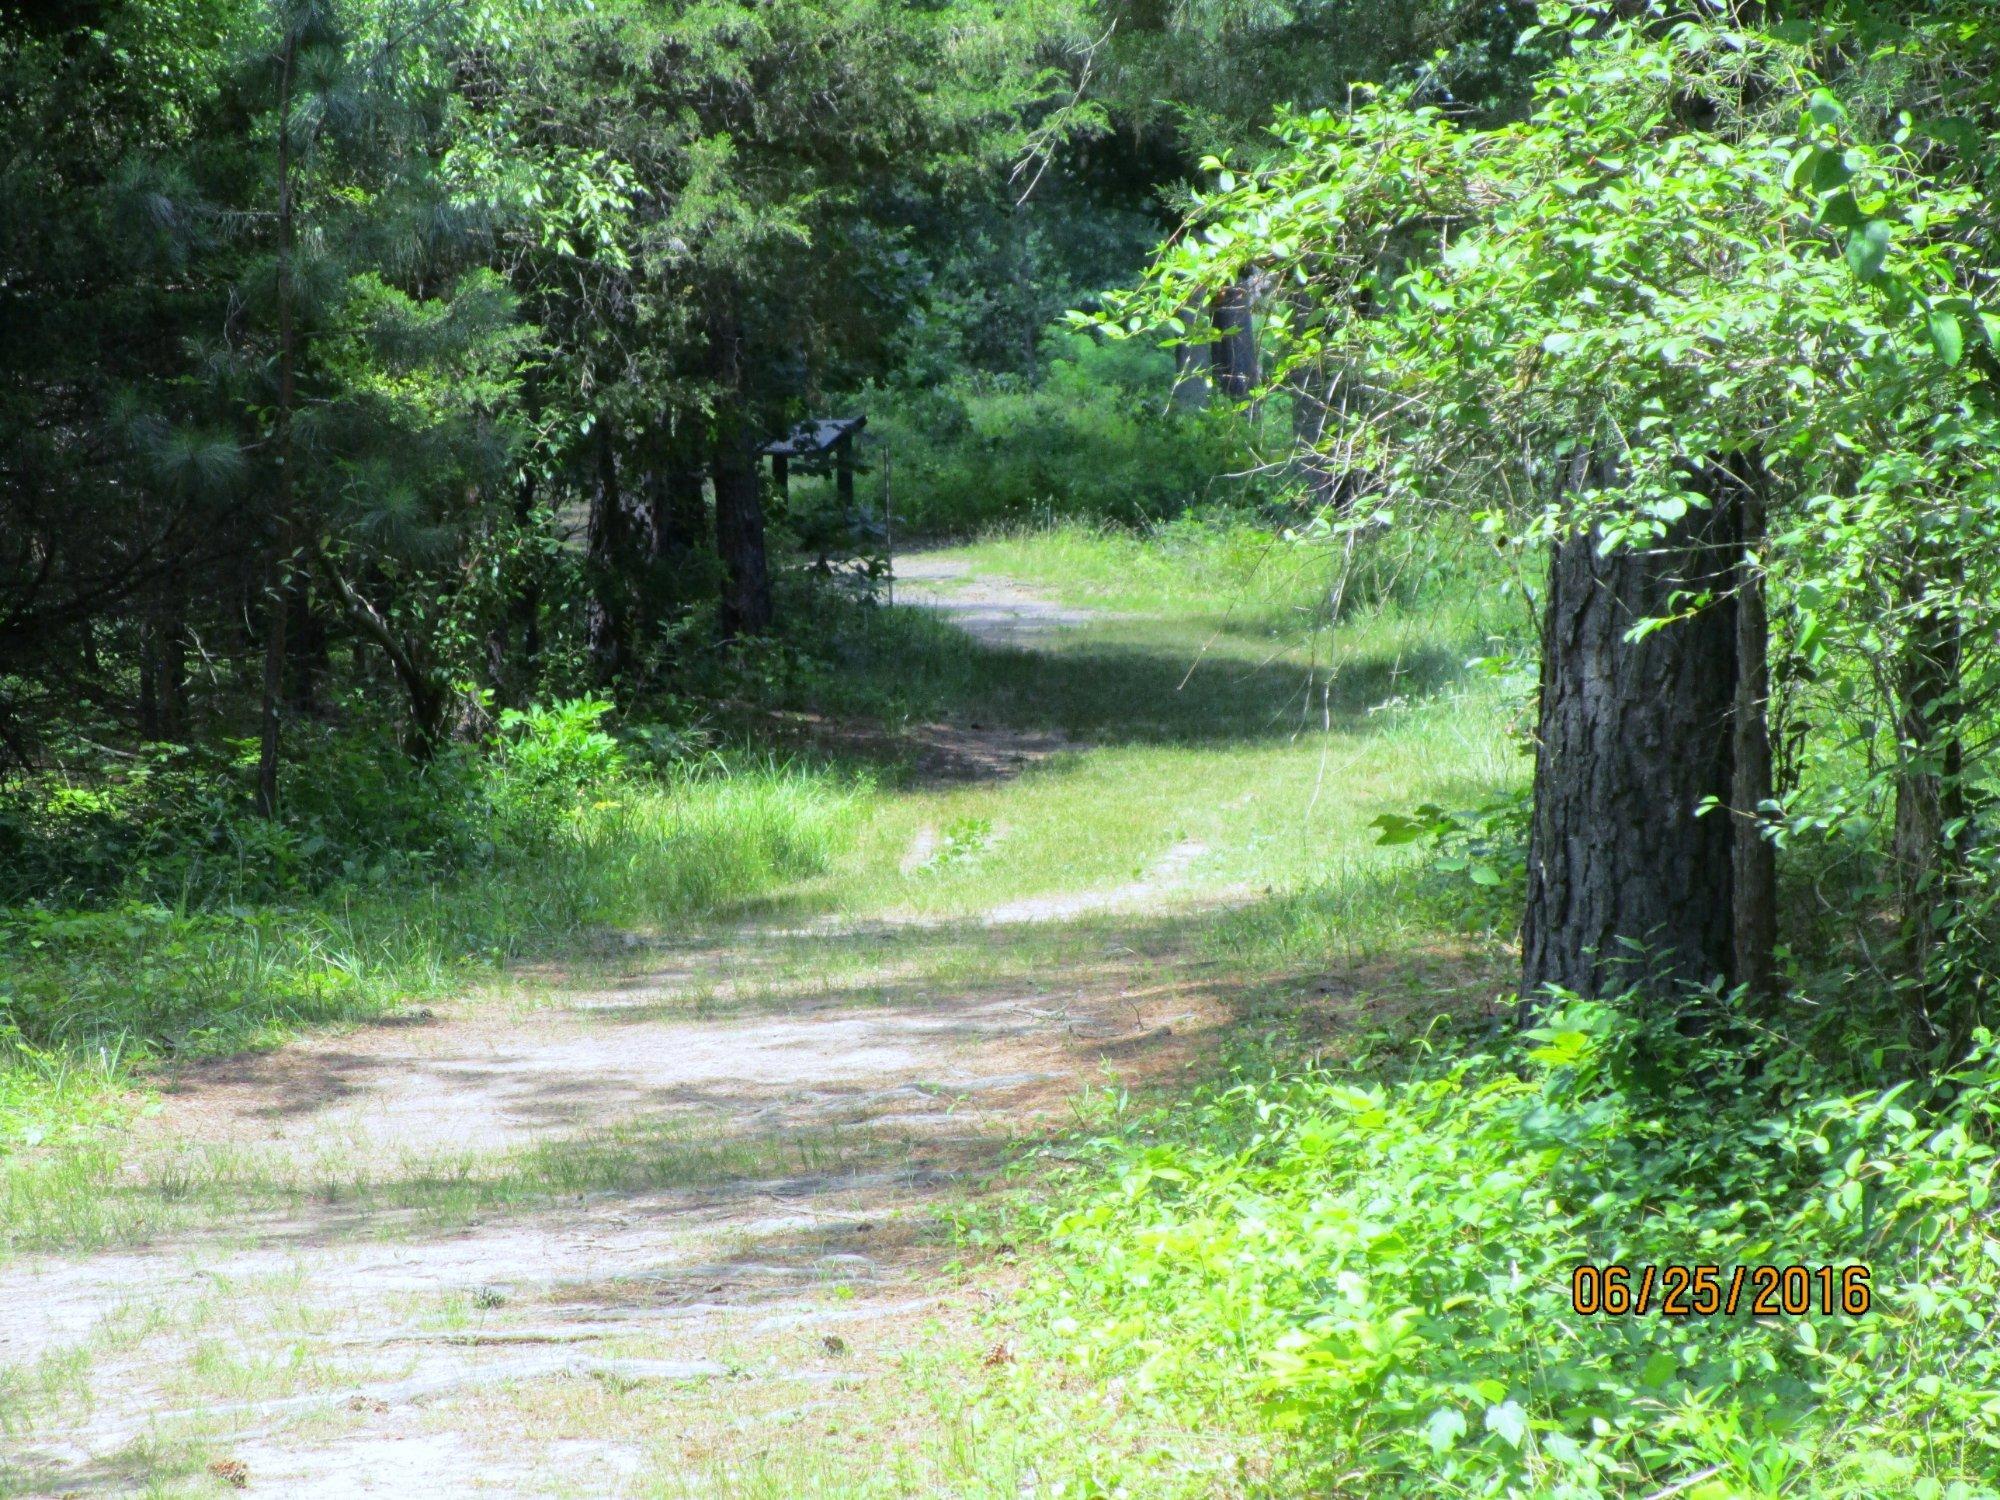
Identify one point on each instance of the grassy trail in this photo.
(704, 1217)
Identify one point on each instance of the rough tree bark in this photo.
(739, 507)
(1626, 884)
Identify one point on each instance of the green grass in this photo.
(92, 997)
(1226, 742)
(96, 1196)
(1232, 570)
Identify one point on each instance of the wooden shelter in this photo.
(826, 440)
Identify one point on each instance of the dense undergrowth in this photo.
(1375, 1256)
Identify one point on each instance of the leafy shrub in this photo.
(544, 757)
(563, 745)
(174, 824)
(85, 993)
(1382, 1255)
(1482, 852)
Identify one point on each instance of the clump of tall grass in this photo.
(570, 843)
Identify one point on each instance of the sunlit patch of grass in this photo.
(159, 1465)
(1203, 766)
(93, 1197)
(94, 997)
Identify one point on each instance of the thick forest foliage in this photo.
(384, 513)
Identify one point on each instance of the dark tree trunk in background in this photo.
(676, 513)
(739, 538)
(739, 508)
(277, 609)
(604, 615)
(1633, 737)
(162, 677)
(514, 645)
(673, 519)
(1233, 355)
(307, 657)
(1191, 366)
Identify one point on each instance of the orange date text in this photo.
(1706, 1291)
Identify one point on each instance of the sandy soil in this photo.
(995, 610)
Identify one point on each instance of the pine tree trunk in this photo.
(1233, 355)
(1626, 884)
(739, 508)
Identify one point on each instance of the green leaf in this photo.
(1867, 248)
(1840, 211)
(1394, 828)
(1831, 170)
(1947, 337)
(1509, 1420)
(1825, 108)
(1445, 1427)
